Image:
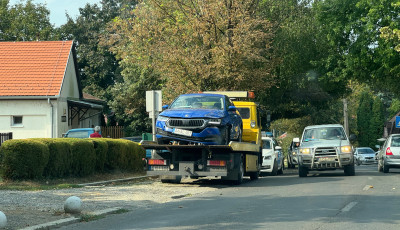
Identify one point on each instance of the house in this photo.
(40, 91)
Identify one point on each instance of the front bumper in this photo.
(206, 136)
(313, 162)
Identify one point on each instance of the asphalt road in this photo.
(323, 200)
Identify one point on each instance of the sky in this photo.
(59, 7)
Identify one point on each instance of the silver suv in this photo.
(325, 147)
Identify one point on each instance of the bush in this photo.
(60, 158)
(23, 159)
(83, 156)
(101, 149)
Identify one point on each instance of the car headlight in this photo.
(305, 151)
(162, 118)
(345, 149)
(294, 153)
(253, 124)
(214, 121)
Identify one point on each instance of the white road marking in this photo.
(366, 187)
(348, 207)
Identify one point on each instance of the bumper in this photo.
(325, 162)
(187, 169)
(392, 162)
(267, 165)
(207, 136)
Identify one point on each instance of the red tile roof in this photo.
(33, 68)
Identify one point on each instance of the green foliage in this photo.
(293, 126)
(377, 122)
(60, 158)
(83, 156)
(23, 159)
(101, 149)
(364, 116)
(394, 108)
(24, 22)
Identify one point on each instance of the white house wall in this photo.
(35, 114)
(69, 87)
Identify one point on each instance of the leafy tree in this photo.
(24, 22)
(199, 45)
(394, 108)
(364, 117)
(377, 121)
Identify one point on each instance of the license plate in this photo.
(326, 159)
(183, 132)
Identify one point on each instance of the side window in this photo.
(16, 121)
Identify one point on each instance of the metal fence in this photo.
(5, 136)
(112, 131)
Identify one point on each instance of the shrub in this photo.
(101, 149)
(83, 156)
(23, 159)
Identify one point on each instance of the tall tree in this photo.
(199, 45)
(24, 22)
(364, 116)
(377, 121)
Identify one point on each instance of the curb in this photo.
(112, 181)
(71, 220)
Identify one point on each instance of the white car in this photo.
(272, 163)
(389, 154)
(364, 155)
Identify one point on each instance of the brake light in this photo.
(388, 151)
(216, 163)
(157, 162)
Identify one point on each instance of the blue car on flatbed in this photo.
(208, 119)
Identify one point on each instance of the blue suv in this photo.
(209, 119)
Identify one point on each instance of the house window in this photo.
(16, 121)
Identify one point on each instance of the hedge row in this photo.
(60, 157)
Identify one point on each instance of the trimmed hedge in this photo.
(59, 157)
(23, 159)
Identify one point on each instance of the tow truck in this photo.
(231, 162)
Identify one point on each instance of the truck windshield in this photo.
(325, 133)
(198, 102)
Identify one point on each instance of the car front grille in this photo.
(325, 151)
(186, 123)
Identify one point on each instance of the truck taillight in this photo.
(157, 162)
(388, 151)
(216, 163)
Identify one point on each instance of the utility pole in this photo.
(345, 117)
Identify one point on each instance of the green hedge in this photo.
(23, 159)
(59, 157)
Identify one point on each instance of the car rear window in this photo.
(395, 141)
(244, 112)
(365, 151)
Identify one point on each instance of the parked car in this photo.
(80, 133)
(389, 154)
(272, 163)
(209, 119)
(364, 155)
(293, 151)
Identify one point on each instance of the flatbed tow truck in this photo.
(230, 162)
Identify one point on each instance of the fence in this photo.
(5, 136)
(112, 131)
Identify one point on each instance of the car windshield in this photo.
(79, 134)
(198, 102)
(366, 151)
(324, 133)
(266, 144)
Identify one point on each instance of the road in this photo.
(323, 200)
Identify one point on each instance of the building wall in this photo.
(35, 114)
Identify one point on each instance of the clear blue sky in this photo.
(59, 7)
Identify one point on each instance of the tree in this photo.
(24, 22)
(377, 121)
(199, 45)
(364, 117)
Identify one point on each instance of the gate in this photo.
(5, 136)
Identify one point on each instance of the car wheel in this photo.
(349, 170)
(274, 169)
(240, 133)
(226, 135)
(385, 168)
(303, 171)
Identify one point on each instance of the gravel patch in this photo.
(28, 208)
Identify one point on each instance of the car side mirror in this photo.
(352, 137)
(231, 108)
(165, 107)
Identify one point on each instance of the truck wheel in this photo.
(255, 175)
(274, 169)
(349, 170)
(303, 171)
(239, 179)
(385, 168)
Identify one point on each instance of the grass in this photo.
(69, 182)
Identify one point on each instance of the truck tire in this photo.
(240, 175)
(303, 171)
(167, 179)
(349, 170)
(255, 175)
